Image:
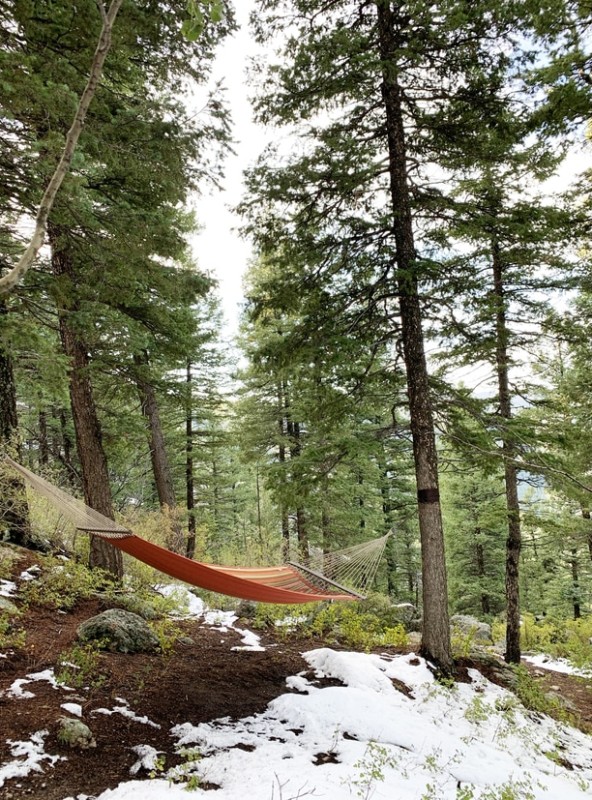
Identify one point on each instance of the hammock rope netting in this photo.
(339, 575)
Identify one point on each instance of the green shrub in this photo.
(79, 666)
(349, 624)
(63, 583)
(11, 636)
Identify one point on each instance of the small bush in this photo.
(79, 666)
(349, 624)
(10, 635)
(63, 583)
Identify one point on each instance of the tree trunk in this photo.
(189, 478)
(14, 510)
(514, 541)
(161, 468)
(586, 515)
(43, 440)
(282, 460)
(89, 445)
(436, 630)
(575, 582)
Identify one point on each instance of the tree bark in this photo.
(514, 541)
(14, 507)
(189, 477)
(161, 468)
(285, 518)
(436, 629)
(89, 443)
(575, 582)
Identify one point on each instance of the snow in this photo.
(126, 711)
(191, 605)
(367, 738)
(28, 757)
(72, 708)
(16, 688)
(7, 588)
(557, 665)
(30, 574)
(384, 729)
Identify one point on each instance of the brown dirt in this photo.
(194, 683)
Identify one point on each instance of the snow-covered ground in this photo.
(387, 730)
(557, 665)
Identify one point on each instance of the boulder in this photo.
(471, 626)
(119, 630)
(405, 613)
(8, 607)
(74, 733)
(247, 609)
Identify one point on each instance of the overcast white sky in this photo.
(218, 248)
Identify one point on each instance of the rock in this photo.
(7, 607)
(471, 626)
(414, 638)
(186, 640)
(75, 733)
(405, 613)
(247, 609)
(119, 630)
(135, 604)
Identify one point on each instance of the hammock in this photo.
(339, 575)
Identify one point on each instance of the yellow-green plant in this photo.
(79, 666)
(11, 636)
(62, 584)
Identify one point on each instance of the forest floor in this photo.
(197, 682)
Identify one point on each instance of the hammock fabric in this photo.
(283, 584)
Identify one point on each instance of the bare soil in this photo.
(195, 682)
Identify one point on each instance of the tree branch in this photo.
(16, 274)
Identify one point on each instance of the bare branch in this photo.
(16, 274)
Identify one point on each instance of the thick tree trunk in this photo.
(189, 478)
(285, 518)
(436, 630)
(575, 582)
(161, 468)
(14, 509)
(514, 541)
(89, 445)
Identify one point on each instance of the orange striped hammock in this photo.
(289, 583)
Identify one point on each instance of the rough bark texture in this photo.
(189, 477)
(161, 469)
(575, 582)
(436, 629)
(14, 510)
(514, 541)
(282, 460)
(93, 463)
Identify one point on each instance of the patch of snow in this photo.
(28, 757)
(16, 690)
(30, 574)
(382, 743)
(72, 708)
(7, 588)
(558, 665)
(148, 758)
(192, 605)
(222, 620)
(250, 641)
(125, 711)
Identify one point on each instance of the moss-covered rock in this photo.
(119, 630)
